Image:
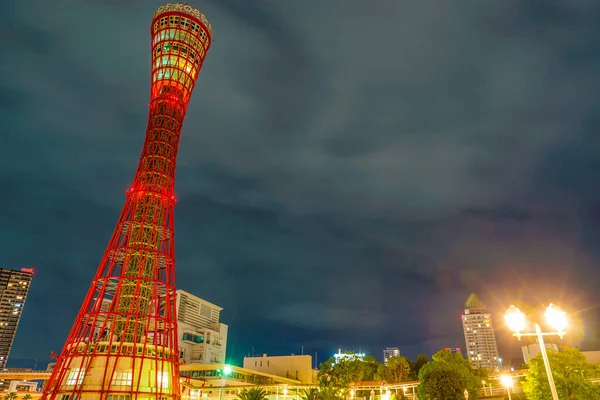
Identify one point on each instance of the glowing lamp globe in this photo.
(515, 319)
(506, 381)
(556, 317)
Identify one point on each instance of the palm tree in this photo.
(11, 396)
(253, 394)
(328, 393)
(311, 394)
(26, 397)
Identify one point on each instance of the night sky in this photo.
(349, 170)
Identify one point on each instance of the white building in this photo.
(482, 350)
(390, 352)
(297, 367)
(22, 386)
(592, 357)
(532, 350)
(202, 337)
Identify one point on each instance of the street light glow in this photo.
(556, 317)
(514, 319)
(506, 381)
(226, 370)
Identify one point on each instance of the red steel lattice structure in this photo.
(123, 344)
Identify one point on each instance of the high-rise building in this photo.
(480, 339)
(14, 287)
(202, 336)
(390, 352)
(123, 343)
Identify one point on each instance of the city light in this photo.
(506, 381)
(515, 319)
(556, 317)
(227, 370)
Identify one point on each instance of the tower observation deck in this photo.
(123, 343)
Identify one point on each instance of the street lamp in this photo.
(555, 317)
(507, 382)
(226, 371)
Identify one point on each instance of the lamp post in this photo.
(555, 317)
(226, 371)
(507, 382)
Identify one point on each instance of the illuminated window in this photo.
(75, 377)
(122, 378)
(162, 379)
(118, 397)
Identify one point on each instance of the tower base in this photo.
(117, 371)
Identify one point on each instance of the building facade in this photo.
(390, 352)
(453, 350)
(296, 367)
(202, 336)
(532, 350)
(23, 386)
(480, 339)
(592, 357)
(14, 287)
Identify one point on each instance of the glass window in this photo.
(123, 378)
(75, 377)
(162, 379)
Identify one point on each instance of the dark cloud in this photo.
(348, 174)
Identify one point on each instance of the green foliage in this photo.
(415, 367)
(254, 393)
(341, 374)
(571, 375)
(398, 368)
(348, 370)
(27, 397)
(328, 393)
(447, 377)
(399, 396)
(11, 396)
(310, 394)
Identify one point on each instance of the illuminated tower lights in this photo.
(123, 344)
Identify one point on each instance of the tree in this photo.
(345, 371)
(27, 397)
(447, 377)
(372, 369)
(11, 396)
(310, 394)
(399, 369)
(254, 393)
(421, 360)
(571, 375)
(328, 393)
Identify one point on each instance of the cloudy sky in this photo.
(349, 170)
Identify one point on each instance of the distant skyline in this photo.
(348, 173)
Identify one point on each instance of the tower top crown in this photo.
(183, 8)
(474, 302)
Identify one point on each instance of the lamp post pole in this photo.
(557, 318)
(221, 388)
(540, 336)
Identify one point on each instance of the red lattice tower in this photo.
(123, 344)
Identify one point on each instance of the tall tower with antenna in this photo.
(123, 344)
